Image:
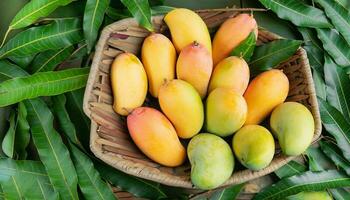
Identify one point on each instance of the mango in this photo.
(183, 106)
(231, 33)
(185, 27)
(318, 195)
(293, 125)
(158, 57)
(231, 72)
(211, 159)
(254, 146)
(264, 93)
(129, 83)
(194, 66)
(155, 136)
(226, 112)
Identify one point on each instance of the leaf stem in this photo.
(5, 37)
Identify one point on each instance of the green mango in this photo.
(321, 195)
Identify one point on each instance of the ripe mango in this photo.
(183, 106)
(159, 58)
(155, 136)
(226, 112)
(194, 66)
(293, 125)
(211, 159)
(254, 146)
(264, 93)
(185, 27)
(231, 33)
(231, 72)
(318, 195)
(129, 83)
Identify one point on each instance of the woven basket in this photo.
(109, 138)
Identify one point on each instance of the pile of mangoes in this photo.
(206, 96)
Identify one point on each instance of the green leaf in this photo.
(310, 38)
(246, 48)
(22, 132)
(58, 34)
(307, 181)
(161, 10)
(310, 195)
(93, 18)
(333, 152)
(336, 125)
(317, 160)
(227, 193)
(53, 153)
(271, 54)
(298, 13)
(8, 143)
(90, 182)
(141, 11)
(23, 62)
(35, 9)
(290, 169)
(339, 15)
(42, 84)
(335, 45)
(117, 14)
(9, 71)
(340, 194)
(320, 84)
(48, 60)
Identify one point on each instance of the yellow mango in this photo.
(159, 58)
(264, 93)
(183, 106)
(185, 27)
(194, 66)
(129, 83)
(231, 72)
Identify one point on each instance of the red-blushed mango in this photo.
(231, 33)
(159, 59)
(129, 83)
(195, 66)
(183, 106)
(264, 93)
(226, 112)
(185, 27)
(231, 72)
(155, 136)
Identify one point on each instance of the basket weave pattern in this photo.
(109, 137)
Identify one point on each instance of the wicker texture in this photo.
(109, 138)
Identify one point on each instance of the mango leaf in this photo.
(320, 84)
(290, 169)
(42, 84)
(246, 48)
(340, 194)
(161, 10)
(93, 18)
(271, 54)
(58, 34)
(335, 45)
(117, 14)
(333, 152)
(23, 61)
(22, 138)
(310, 195)
(227, 193)
(53, 153)
(48, 60)
(298, 13)
(336, 125)
(339, 15)
(156, 2)
(318, 161)
(8, 143)
(9, 71)
(307, 181)
(141, 11)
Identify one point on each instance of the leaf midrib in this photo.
(343, 94)
(51, 58)
(326, 4)
(24, 171)
(93, 16)
(334, 47)
(16, 186)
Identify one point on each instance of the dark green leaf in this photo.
(320, 84)
(8, 143)
(23, 62)
(246, 48)
(93, 18)
(42, 84)
(290, 169)
(227, 193)
(156, 2)
(307, 181)
(333, 152)
(53, 153)
(298, 13)
(9, 71)
(271, 54)
(117, 14)
(161, 10)
(48, 60)
(340, 194)
(310, 37)
(22, 132)
(141, 11)
(58, 34)
(317, 195)
(318, 161)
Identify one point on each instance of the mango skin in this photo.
(264, 93)
(129, 83)
(254, 146)
(226, 112)
(155, 136)
(186, 27)
(231, 33)
(195, 66)
(211, 159)
(319, 195)
(231, 72)
(159, 59)
(183, 106)
(293, 124)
